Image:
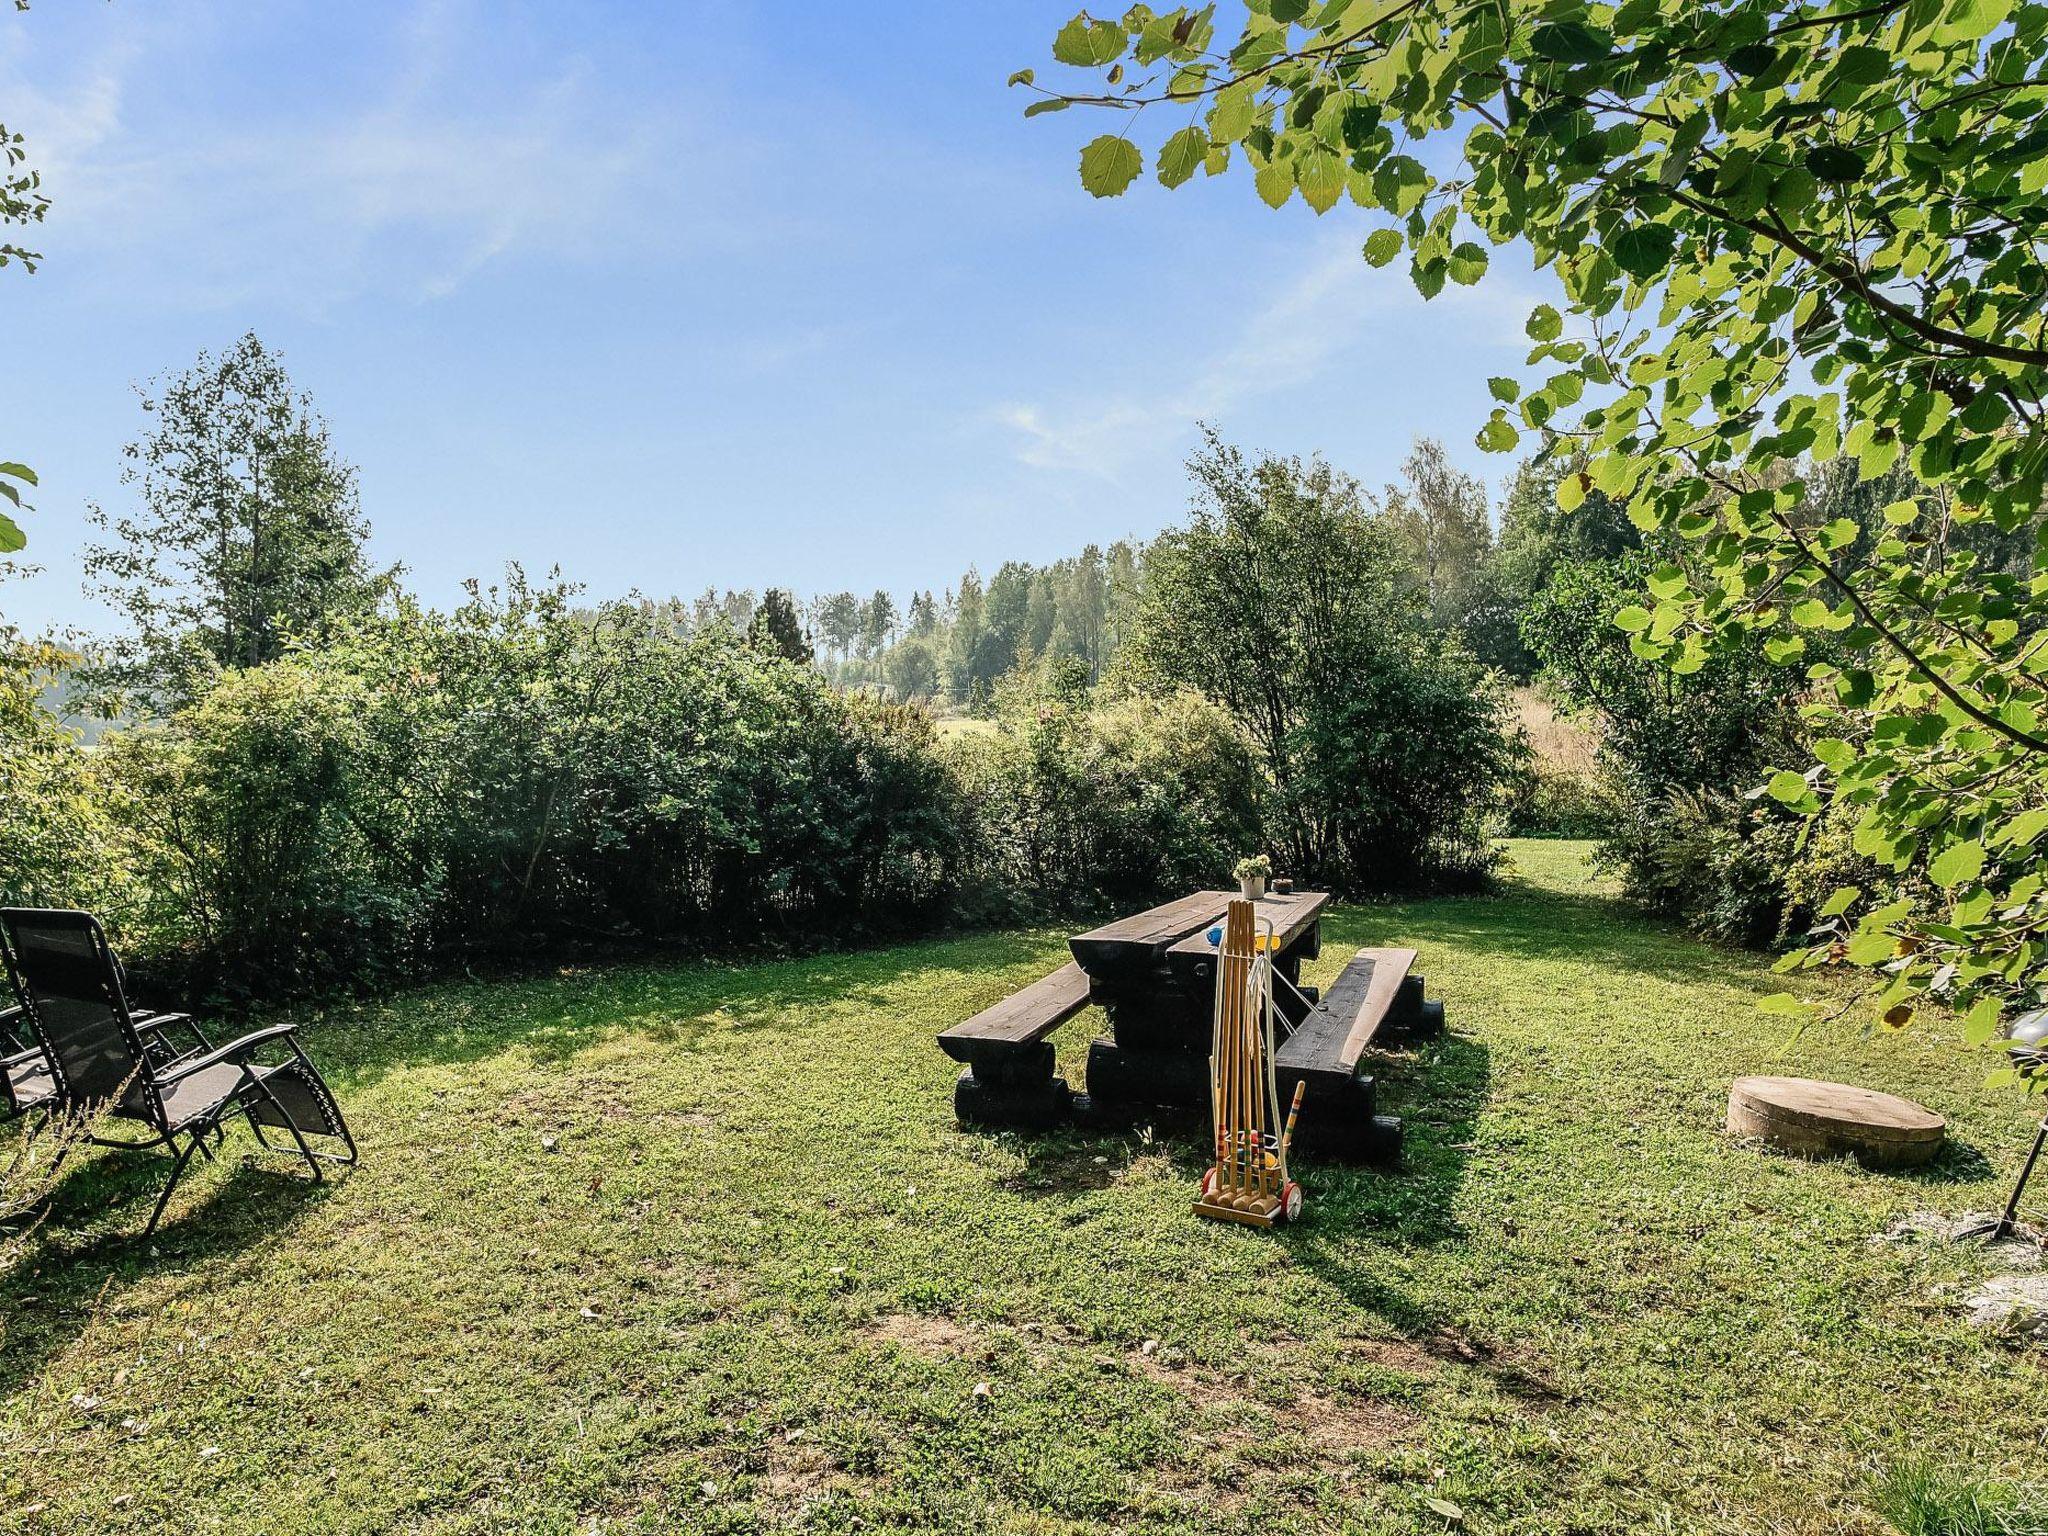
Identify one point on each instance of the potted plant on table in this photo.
(1251, 875)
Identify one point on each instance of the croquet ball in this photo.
(1216, 936)
(1290, 1201)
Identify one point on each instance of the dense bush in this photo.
(1552, 800)
(1682, 755)
(1080, 803)
(57, 820)
(522, 773)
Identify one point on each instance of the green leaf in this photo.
(1275, 183)
(1571, 42)
(1467, 263)
(1635, 618)
(1509, 391)
(1980, 1025)
(1784, 1004)
(1109, 165)
(1956, 865)
(1752, 58)
(1787, 787)
(1642, 250)
(1320, 175)
(1382, 246)
(1835, 164)
(1024, 77)
(1545, 324)
(2024, 828)
(1498, 435)
(1181, 156)
(1047, 104)
(1236, 109)
(1840, 900)
(11, 536)
(1087, 43)
(1863, 64)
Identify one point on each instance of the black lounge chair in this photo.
(102, 1053)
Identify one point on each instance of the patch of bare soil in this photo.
(798, 1476)
(932, 1335)
(1508, 1372)
(1336, 1424)
(1344, 1424)
(1066, 1172)
(1403, 1355)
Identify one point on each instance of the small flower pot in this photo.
(1252, 887)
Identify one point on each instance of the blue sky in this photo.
(677, 295)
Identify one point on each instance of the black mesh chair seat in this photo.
(30, 1083)
(95, 1052)
(198, 1096)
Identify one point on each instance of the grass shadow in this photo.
(685, 1006)
(54, 1291)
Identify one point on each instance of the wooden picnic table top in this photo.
(1142, 940)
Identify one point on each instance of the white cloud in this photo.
(195, 199)
(1321, 317)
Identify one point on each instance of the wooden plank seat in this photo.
(1326, 1048)
(1008, 1077)
(1376, 995)
(1005, 1032)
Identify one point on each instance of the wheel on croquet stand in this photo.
(1290, 1202)
(1209, 1185)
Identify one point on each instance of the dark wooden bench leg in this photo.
(1033, 1106)
(1013, 1086)
(1121, 1076)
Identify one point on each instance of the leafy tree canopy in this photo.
(1784, 231)
(247, 533)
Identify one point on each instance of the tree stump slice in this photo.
(1815, 1119)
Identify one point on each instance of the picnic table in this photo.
(1153, 975)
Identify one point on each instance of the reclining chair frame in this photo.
(155, 1067)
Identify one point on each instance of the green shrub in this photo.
(1077, 804)
(58, 821)
(259, 835)
(1554, 801)
(522, 774)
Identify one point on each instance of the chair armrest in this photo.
(33, 1053)
(233, 1050)
(157, 1023)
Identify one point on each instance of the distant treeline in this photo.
(1474, 569)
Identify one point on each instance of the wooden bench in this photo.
(1377, 994)
(1004, 1033)
(1009, 1078)
(1326, 1048)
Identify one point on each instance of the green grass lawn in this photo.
(702, 1248)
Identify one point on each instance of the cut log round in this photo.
(1816, 1119)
